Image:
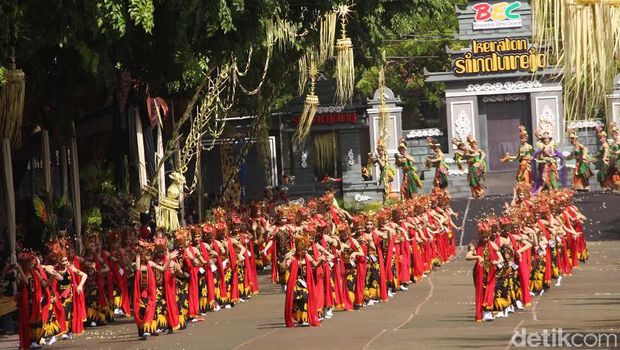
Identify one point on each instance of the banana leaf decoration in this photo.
(311, 103)
(345, 66)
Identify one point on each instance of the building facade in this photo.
(500, 81)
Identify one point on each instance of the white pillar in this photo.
(161, 171)
(394, 127)
(140, 144)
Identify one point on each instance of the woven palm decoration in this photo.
(328, 35)
(167, 211)
(12, 95)
(311, 103)
(144, 202)
(582, 37)
(345, 66)
(384, 111)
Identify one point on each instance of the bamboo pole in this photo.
(199, 185)
(75, 193)
(10, 196)
(64, 170)
(177, 160)
(46, 158)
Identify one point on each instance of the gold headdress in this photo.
(181, 237)
(432, 142)
(572, 134)
(523, 132)
(484, 229)
(613, 129)
(471, 140)
(402, 144)
(600, 133)
(457, 142)
(302, 242)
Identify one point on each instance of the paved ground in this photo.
(437, 313)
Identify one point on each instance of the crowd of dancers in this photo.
(538, 240)
(325, 259)
(163, 282)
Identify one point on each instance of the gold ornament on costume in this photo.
(345, 66)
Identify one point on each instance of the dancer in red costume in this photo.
(300, 306)
(487, 257)
(145, 289)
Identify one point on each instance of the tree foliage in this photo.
(168, 43)
(416, 40)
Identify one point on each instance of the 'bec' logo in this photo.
(496, 12)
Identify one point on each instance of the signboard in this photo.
(500, 56)
(499, 15)
(331, 118)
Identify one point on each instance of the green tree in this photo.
(416, 40)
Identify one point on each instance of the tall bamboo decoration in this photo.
(384, 114)
(345, 66)
(583, 36)
(12, 96)
(13, 92)
(311, 103)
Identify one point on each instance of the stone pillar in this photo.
(548, 114)
(350, 157)
(462, 119)
(394, 129)
(614, 102)
(303, 160)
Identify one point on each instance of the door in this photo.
(504, 115)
